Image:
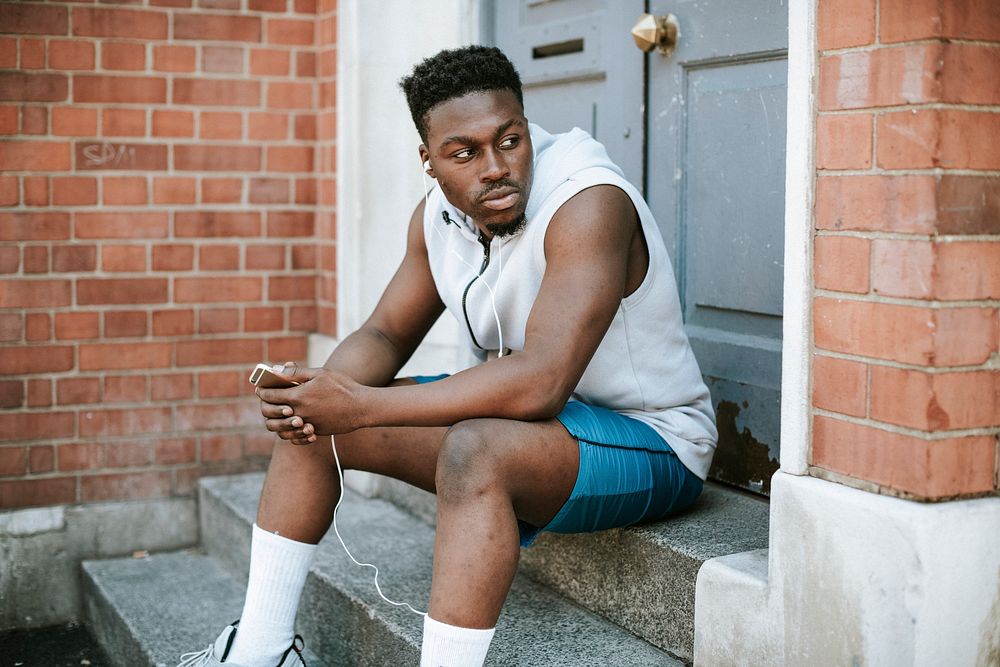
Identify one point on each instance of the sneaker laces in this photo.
(196, 658)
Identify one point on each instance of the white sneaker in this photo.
(215, 654)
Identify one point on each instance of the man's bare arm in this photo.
(586, 249)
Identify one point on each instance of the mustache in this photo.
(496, 185)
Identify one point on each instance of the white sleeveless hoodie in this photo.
(644, 366)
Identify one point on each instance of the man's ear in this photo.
(425, 160)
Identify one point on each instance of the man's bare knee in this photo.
(470, 462)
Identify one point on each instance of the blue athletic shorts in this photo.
(626, 474)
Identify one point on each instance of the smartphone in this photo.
(264, 377)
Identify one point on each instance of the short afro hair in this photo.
(456, 72)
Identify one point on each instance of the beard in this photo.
(505, 229)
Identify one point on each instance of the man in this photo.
(588, 411)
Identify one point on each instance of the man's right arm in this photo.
(409, 306)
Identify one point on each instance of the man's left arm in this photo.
(586, 250)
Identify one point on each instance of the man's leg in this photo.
(490, 473)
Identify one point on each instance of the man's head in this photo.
(469, 111)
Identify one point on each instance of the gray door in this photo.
(713, 144)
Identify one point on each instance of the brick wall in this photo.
(906, 372)
(167, 206)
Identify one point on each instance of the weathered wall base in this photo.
(41, 550)
(854, 578)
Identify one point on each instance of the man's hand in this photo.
(324, 403)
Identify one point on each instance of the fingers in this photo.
(275, 411)
(277, 425)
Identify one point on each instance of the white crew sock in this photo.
(450, 646)
(278, 568)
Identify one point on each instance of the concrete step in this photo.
(641, 578)
(148, 611)
(345, 621)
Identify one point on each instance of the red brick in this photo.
(305, 64)
(216, 224)
(935, 402)
(131, 486)
(13, 461)
(227, 92)
(124, 388)
(9, 191)
(114, 356)
(296, 32)
(11, 326)
(34, 120)
(128, 454)
(74, 121)
(123, 56)
(172, 123)
(125, 422)
(844, 141)
(219, 4)
(305, 191)
(219, 415)
(218, 320)
(173, 257)
(33, 19)
(264, 319)
(172, 387)
(217, 158)
(221, 190)
(269, 62)
(906, 20)
(883, 77)
(39, 393)
(76, 391)
(81, 456)
(213, 290)
(170, 58)
(290, 158)
(210, 27)
(302, 318)
(125, 324)
(37, 492)
(282, 95)
(967, 270)
(291, 288)
(174, 191)
(903, 268)
(121, 225)
(74, 191)
(136, 157)
(877, 203)
(121, 291)
(916, 335)
(290, 223)
(34, 155)
(37, 327)
(71, 54)
(305, 127)
(928, 469)
(77, 325)
(170, 3)
(268, 126)
(291, 348)
(119, 89)
(125, 190)
(221, 448)
(221, 125)
(222, 59)
(268, 6)
(74, 258)
(34, 293)
(8, 52)
(965, 68)
(265, 257)
(41, 458)
(35, 260)
(174, 450)
(220, 351)
(326, 63)
(844, 23)
(8, 120)
(123, 122)
(258, 444)
(223, 384)
(95, 22)
(173, 322)
(306, 6)
(11, 393)
(948, 138)
(37, 425)
(219, 258)
(10, 259)
(32, 54)
(36, 192)
(269, 191)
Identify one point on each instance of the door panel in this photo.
(716, 141)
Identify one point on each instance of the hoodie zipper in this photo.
(486, 262)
